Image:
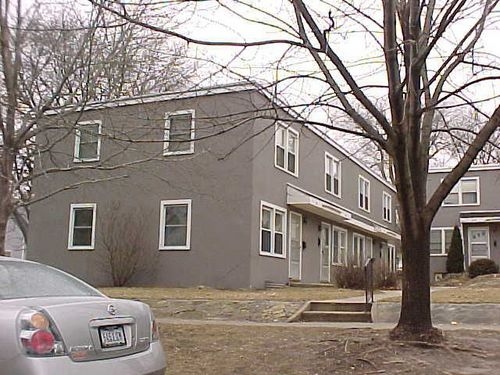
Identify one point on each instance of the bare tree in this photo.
(58, 56)
(416, 56)
(124, 244)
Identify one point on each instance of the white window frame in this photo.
(387, 207)
(343, 252)
(443, 240)
(73, 208)
(391, 257)
(78, 135)
(366, 193)
(333, 160)
(166, 135)
(273, 208)
(287, 131)
(470, 243)
(460, 193)
(175, 202)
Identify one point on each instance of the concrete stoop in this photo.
(325, 311)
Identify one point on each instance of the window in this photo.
(440, 240)
(387, 207)
(272, 230)
(479, 243)
(364, 193)
(362, 249)
(332, 175)
(464, 193)
(339, 253)
(179, 133)
(391, 258)
(87, 141)
(175, 224)
(82, 226)
(286, 149)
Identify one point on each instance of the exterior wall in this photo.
(227, 178)
(488, 206)
(270, 185)
(217, 181)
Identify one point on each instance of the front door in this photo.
(295, 268)
(479, 243)
(325, 252)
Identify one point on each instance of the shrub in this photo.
(455, 258)
(482, 267)
(353, 277)
(349, 277)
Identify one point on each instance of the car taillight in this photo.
(38, 334)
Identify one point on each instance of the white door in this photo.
(325, 252)
(295, 269)
(479, 243)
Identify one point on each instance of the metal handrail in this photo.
(368, 269)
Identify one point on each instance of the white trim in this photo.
(72, 208)
(293, 213)
(472, 168)
(328, 226)
(76, 150)
(389, 209)
(155, 98)
(166, 133)
(274, 208)
(343, 261)
(443, 240)
(339, 175)
(367, 193)
(469, 250)
(288, 129)
(175, 202)
(482, 219)
(460, 193)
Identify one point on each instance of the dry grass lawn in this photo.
(291, 294)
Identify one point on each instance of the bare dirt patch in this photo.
(294, 350)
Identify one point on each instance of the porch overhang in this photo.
(308, 203)
(375, 230)
(480, 217)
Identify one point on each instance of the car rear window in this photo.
(25, 280)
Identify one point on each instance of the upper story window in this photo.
(287, 149)
(387, 207)
(175, 224)
(179, 133)
(87, 141)
(440, 240)
(332, 174)
(82, 226)
(272, 230)
(364, 193)
(464, 193)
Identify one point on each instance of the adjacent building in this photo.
(474, 206)
(227, 196)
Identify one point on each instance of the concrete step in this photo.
(340, 306)
(336, 316)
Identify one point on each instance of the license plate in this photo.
(112, 336)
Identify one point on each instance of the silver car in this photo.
(54, 323)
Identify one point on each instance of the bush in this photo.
(482, 267)
(349, 277)
(353, 277)
(455, 258)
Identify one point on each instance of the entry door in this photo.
(479, 243)
(325, 252)
(295, 269)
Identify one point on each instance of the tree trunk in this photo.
(415, 322)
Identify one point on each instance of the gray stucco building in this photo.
(228, 196)
(474, 206)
